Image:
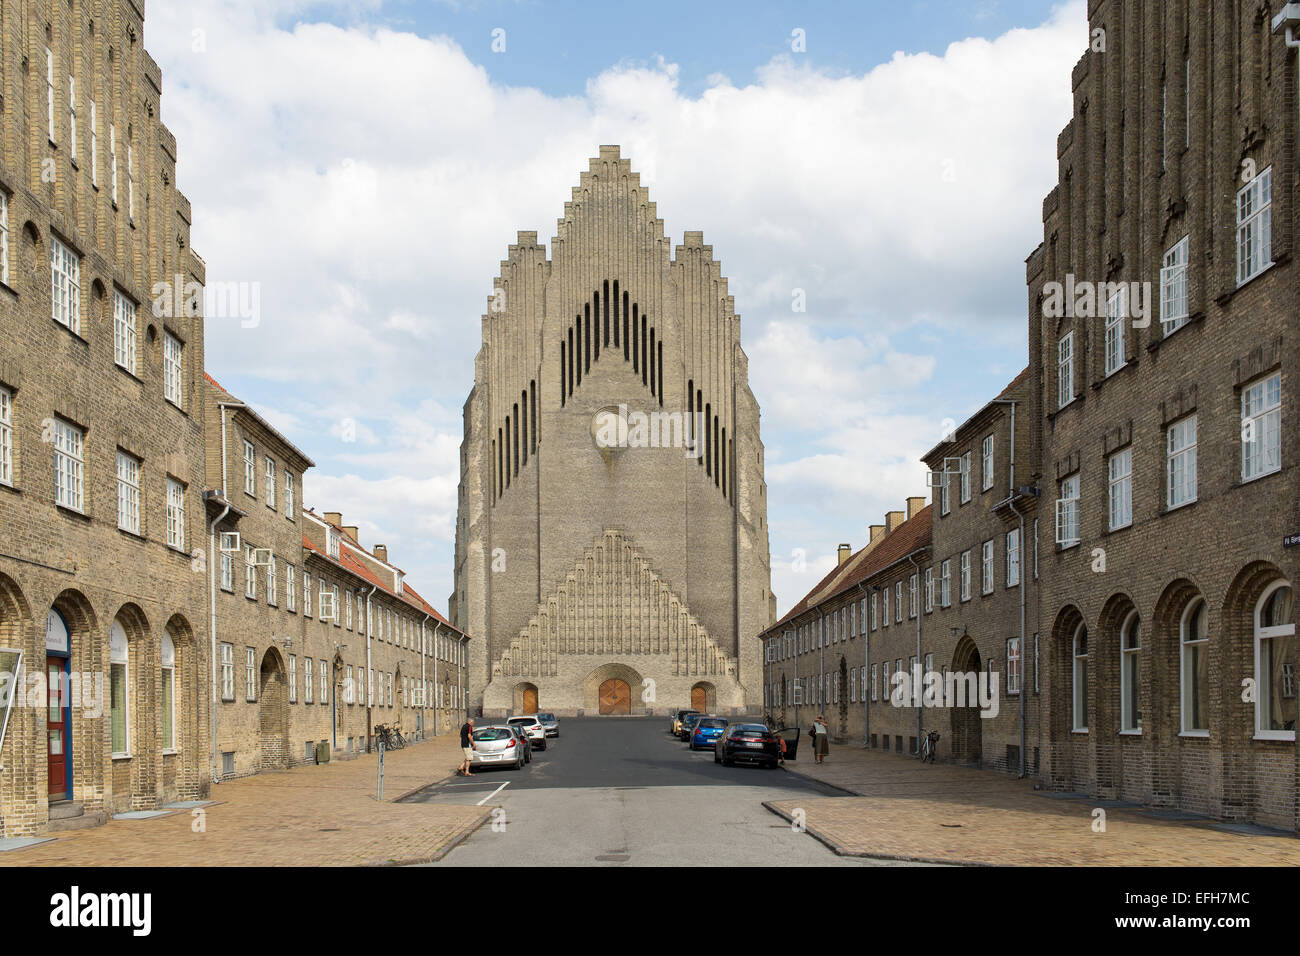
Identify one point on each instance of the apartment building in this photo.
(1163, 349)
(102, 583)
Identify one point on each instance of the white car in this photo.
(533, 728)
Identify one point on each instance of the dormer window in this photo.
(332, 543)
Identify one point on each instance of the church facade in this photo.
(612, 541)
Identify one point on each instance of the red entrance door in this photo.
(58, 730)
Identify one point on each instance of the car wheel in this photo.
(716, 758)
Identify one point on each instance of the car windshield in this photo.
(545, 716)
(712, 722)
(492, 733)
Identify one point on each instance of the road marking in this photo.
(492, 794)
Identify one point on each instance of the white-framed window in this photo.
(1255, 226)
(250, 673)
(65, 273)
(175, 514)
(112, 163)
(1275, 663)
(1079, 681)
(291, 587)
(1116, 313)
(986, 463)
(69, 465)
(168, 703)
(250, 469)
(1013, 557)
(289, 505)
(1194, 640)
(986, 567)
(1130, 674)
(945, 496)
(884, 600)
(173, 369)
(334, 613)
(1119, 477)
(130, 183)
(348, 607)
(227, 671)
(1181, 463)
(6, 436)
(128, 492)
(390, 688)
(965, 478)
(94, 146)
(324, 682)
(1065, 370)
(124, 322)
(293, 678)
(272, 582)
(1013, 667)
(965, 575)
(250, 572)
(1261, 427)
(1067, 512)
(349, 687)
(370, 686)
(898, 602)
(945, 583)
(306, 680)
(1035, 549)
(874, 689)
(929, 590)
(119, 681)
(875, 613)
(227, 571)
(270, 482)
(49, 93)
(306, 593)
(72, 118)
(1174, 306)
(4, 237)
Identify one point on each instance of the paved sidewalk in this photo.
(309, 816)
(938, 813)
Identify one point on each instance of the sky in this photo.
(359, 167)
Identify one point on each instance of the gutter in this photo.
(212, 617)
(916, 683)
(370, 690)
(1290, 16)
(436, 625)
(864, 589)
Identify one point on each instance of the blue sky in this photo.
(366, 164)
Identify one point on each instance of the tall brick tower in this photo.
(611, 544)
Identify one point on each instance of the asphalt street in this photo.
(624, 792)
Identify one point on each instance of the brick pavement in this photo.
(941, 813)
(309, 816)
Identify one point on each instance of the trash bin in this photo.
(323, 752)
(790, 736)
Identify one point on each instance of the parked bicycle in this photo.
(929, 746)
(391, 737)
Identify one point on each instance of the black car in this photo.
(753, 742)
(688, 724)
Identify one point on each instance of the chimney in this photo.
(381, 552)
(892, 520)
(845, 552)
(877, 530)
(351, 531)
(335, 518)
(914, 506)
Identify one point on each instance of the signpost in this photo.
(380, 773)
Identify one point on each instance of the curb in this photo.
(824, 783)
(840, 850)
(455, 840)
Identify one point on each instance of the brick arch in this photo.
(966, 743)
(1104, 688)
(191, 695)
(1063, 769)
(273, 711)
(21, 761)
(90, 739)
(136, 776)
(1162, 721)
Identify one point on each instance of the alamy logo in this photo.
(950, 689)
(72, 909)
(1091, 300)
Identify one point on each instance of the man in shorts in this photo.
(466, 747)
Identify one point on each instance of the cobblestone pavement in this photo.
(309, 816)
(904, 810)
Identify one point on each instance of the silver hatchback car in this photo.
(533, 728)
(551, 723)
(496, 747)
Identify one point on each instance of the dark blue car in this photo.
(707, 731)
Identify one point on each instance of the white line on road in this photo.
(492, 794)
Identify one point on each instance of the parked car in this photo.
(551, 723)
(677, 720)
(751, 742)
(533, 729)
(523, 741)
(688, 724)
(496, 747)
(706, 732)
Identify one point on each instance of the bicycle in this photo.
(929, 746)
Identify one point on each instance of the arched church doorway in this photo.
(615, 697)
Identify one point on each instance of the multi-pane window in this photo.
(94, 146)
(1181, 465)
(1013, 666)
(945, 583)
(1079, 674)
(306, 680)
(250, 672)
(291, 587)
(1261, 427)
(49, 93)
(1065, 370)
(1130, 674)
(1255, 226)
(250, 572)
(250, 469)
(173, 369)
(986, 567)
(348, 608)
(227, 671)
(929, 590)
(884, 600)
(65, 273)
(945, 496)
(130, 183)
(965, 478)
(112, 163)
(1116, 311)
(898, 602)
(965, 575)
(6, 436)
(119, 690)
(227, 571)
(875, 613)
(124, 319)
(1067, 512)
(324, 682)
(1119, 476)
(1173, 288)
(986, 463)
(69, 465)
(1275, 663)
(306, 593)
(349, 687)
(175, 514)
(293, 678)
(270, 482)
(1194, 638)
(874, 688)
(168, 703)
(272, 582)
(128, 493)
(4, 238)
(1013, 557)
(72, 118)
(288, 495)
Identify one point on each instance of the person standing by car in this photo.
(821, 739)
(466, 747)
